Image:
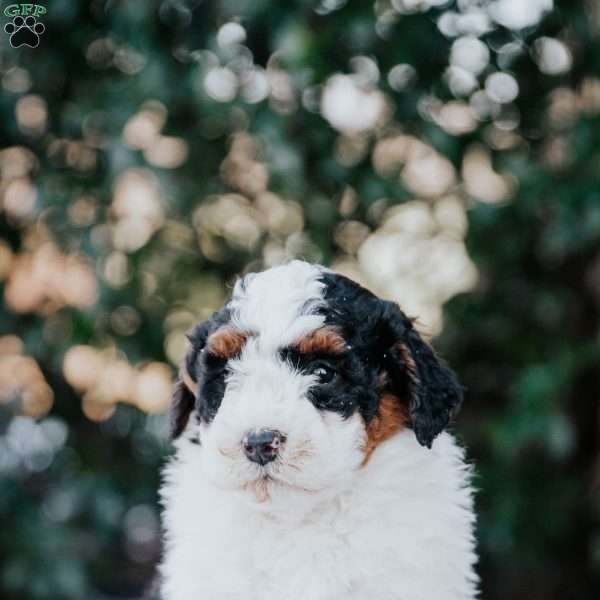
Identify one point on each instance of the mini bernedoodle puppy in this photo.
(304, 422)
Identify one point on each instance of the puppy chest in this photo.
(317, 561)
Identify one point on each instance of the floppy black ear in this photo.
(182, 404)
(434, 393)
(184, 400)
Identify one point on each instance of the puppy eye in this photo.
(324, 373)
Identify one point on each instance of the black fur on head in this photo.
(384, 339)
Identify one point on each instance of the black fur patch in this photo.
(375, 329)
(208, 372)
(352, 385)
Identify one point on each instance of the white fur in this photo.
(273, 299)
(316, 524)
(398, 528)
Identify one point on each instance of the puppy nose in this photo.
(262, 446)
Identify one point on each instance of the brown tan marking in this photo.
(326, 340)
(409, 361)
(392, 418)
(189, 383)
(227, 342)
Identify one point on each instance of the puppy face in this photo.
(297, 380)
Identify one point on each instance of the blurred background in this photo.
(444, 154)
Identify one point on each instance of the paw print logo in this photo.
(24, 32)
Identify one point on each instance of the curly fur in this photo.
(368, 497)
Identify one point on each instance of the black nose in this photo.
(262, 446)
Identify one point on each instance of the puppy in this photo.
(304, 422)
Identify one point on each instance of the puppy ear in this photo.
(434, 393)
(184, 399)
(182, 404)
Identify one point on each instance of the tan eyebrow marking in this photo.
(227, 342)
(326, 339)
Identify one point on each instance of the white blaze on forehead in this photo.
(275, 303)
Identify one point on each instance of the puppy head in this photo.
(294, 384)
